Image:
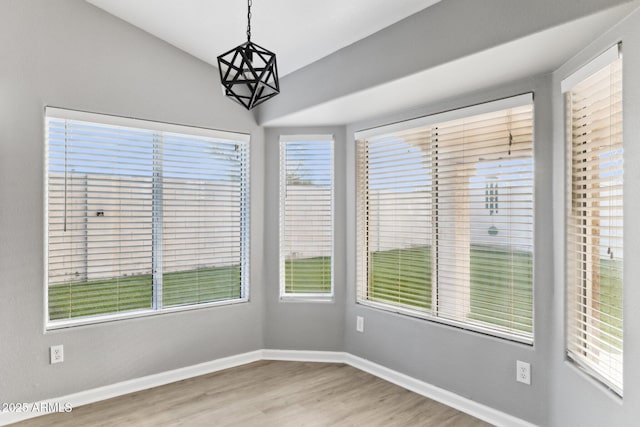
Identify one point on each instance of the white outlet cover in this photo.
(359, 324)
(523, 372)
(56, 354)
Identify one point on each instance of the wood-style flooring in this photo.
(268, 393)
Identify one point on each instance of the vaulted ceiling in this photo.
(346, 61)
(299, 31)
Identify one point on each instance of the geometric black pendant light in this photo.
(248, 73)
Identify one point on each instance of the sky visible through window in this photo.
(94, 149)
(311, 160)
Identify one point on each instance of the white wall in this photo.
(305, 224)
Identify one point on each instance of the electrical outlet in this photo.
(56, 352)
(359, 324)
(523, 372)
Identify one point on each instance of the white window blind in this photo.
(140, 218)
(306, 216)
(446, 220)
(595, 224)
(395, 220)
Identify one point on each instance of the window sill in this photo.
(595, 378)
(307, 299)
(467, 326)
(95, 320)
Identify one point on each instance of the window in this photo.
(594, 234)
(142, 217)
(445, 218)
(306, 216)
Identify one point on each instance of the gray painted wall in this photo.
(575, 399)
(302, 325)
(482, 368)
(472, 365)
(70, 54)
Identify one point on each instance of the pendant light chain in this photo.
(249, 2)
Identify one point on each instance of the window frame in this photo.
(57, 113)
(431, 121)
(589, 361)
(285, 296)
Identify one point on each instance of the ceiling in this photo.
(525, 57)
(298, 31)
(304, 31)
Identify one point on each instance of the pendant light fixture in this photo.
(248, 73)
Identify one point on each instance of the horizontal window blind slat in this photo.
(467, 183)
(306, 216)
(133, 207)
(595, 225)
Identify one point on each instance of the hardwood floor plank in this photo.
(264, 394)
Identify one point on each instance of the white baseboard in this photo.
(438, 394)
(448, 398)
(37, 409)
(305, 356)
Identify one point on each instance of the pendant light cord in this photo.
(249, 2)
